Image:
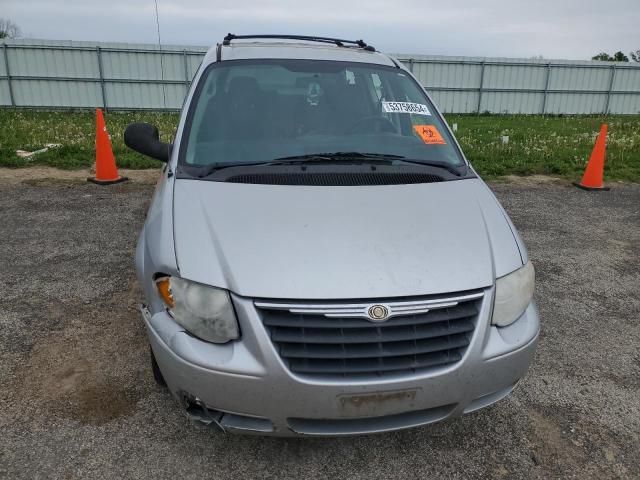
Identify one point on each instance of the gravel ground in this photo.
(78, 400)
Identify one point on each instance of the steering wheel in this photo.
(372, 124)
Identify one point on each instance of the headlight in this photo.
(204, 311)
(513, 294)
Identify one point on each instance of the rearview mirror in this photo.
(145, 139)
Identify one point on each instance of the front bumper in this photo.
(244, 385)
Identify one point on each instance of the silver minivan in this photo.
(319, 258)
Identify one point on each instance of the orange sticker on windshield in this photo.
(429, 134)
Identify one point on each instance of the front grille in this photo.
(336, 179)
(337, 340)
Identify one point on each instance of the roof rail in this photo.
(337, 41)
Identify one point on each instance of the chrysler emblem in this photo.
(378, 313)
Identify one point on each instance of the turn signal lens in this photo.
(164, 289)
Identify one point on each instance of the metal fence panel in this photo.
(448, 75)
(38, 62)
(530, 86)
(193, 62)
(3, 60)
(571, 78)
(626, 80)
(68, 74)
(144, 96)
(58, 94)
(577, 103)
(143, 66)
(510, 76)
(4, 93)
(628, 104)
(459, 102)
(511, 102)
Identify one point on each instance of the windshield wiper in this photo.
(335, 157)
(377, 157)
(338, 155)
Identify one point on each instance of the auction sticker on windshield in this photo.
(429, 134)
(405, 107)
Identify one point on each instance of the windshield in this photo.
(260, 110)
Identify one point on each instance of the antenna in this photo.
(164, 93)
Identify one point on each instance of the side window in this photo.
(207, 94)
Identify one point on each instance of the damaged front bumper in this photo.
(243, 386)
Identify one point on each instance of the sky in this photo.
(556, 29)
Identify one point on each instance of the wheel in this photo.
(157, 374)
(374, 124)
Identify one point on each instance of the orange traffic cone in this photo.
(592, 178)
(106, 170)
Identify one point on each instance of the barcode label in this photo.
(405, 107)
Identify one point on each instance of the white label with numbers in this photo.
(405, 107)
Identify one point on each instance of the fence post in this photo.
(100, 71)
(480, 90)
(611, 80)
(546, 89)
(6, 67)
(186, 70)
(411, 64)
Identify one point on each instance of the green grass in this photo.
(30, 130)
(549, 145)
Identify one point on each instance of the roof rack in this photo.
(336, 41)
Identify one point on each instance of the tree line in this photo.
(8, 29)
(618, 56)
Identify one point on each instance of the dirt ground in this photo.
(78, 400)
(47, 174)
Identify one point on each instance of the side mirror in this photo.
(145, 139)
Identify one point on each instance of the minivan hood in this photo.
(310, 242)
